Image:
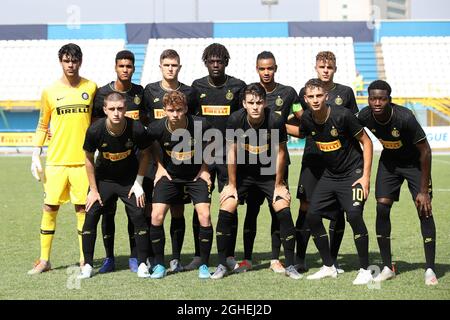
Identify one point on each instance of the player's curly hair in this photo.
(315, 83)
(125, 54)
(71, 50)
(216, 50)
(174, 98)
(326, 56)
(380, 85)
(169, 54)
(265, 55)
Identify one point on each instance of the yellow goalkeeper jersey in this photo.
(68, 110)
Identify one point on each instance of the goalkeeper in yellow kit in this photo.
(66, 106)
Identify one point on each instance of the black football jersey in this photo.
(217, 103)
(153, 99)
(255, 144)
(335, 140)
(133, 100)
(398, 136)
(182, 153)
(281, 100)
(340, 96)
(116, 160)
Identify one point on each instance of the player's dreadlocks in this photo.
(326, 56)
(216, 50)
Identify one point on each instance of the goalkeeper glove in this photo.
(36, 166)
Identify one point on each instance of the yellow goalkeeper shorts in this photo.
(64, 183)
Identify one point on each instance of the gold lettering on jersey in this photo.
(181, 156)
(159, 113)
(116, 156)
(329, 146)
(391, 144)
(215, 110)
(255, 149)
(279, 102)
(395, 133)
(77, 108)
(132, 114)
(338, 100)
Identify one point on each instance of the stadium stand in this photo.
(295, 57)
(28, 65)
(416, 66)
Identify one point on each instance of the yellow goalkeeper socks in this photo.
(48, 225)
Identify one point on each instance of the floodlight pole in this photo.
(269, 4)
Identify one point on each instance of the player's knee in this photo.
(304, 205)
(50, 207)
(80, 208)
(313, 219)
(229, 205)
(280, 204)
(383, 210)
(354, 216)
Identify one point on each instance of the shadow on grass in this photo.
(261, 260)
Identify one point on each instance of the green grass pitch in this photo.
(20, 206)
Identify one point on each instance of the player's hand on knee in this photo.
(281, 191)
(93, 197)
(228, 192)
(138, 191)
(36, 165)
(161, 172)
(423, 205)
(204, 175)
(365, 184)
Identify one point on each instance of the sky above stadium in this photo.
(88, 11)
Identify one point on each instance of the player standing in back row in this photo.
(339, 96)
(218, 98)
(169, 64)
(66, 106)
(345, 181)
(124, 67)
(280, 99)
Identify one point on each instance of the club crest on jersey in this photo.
(334, 132)
(229, 95)
(338, 100)
(137, 99)
(85, 95)
(129, 144)
(395, 133)
(279, 102)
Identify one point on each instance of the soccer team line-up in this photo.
(162, 146)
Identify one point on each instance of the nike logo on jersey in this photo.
(59, 98)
